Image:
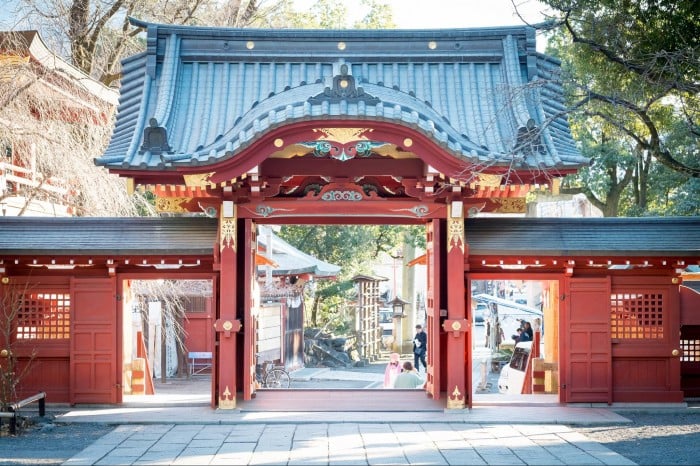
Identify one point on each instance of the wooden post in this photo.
(456, 324)
(227, 323)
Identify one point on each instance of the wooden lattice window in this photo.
(690, 350)
(195, 304)
(637, 316)
(44, 316)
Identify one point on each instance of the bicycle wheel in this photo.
(277, 378)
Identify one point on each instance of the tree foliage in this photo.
(356, 248)
(52, 126)
(16, 357)
(97, 34)
(632, 74)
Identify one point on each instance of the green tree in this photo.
(631, 73)
(356, 248)
(331, 14)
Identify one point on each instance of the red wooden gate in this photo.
(432, 307)
(93, 366)
(251, 303)
(587, 373)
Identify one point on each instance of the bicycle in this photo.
(271, 375)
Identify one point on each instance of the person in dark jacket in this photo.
(420, 347)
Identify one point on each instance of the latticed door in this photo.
(645, 335)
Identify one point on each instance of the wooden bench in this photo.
(199, 361)
(15, 407)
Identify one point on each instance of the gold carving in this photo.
(198, 180)
(227, 232)
(227, 326)
(408, 142)
(455, 400)
(455, 233)
(456, 325)
(279, 142)
(489, 180)
(509, 205)
(171, 204)
(227, 401)
(343, 135)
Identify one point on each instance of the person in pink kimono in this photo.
(393, 368)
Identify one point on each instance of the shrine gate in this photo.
(421, 127)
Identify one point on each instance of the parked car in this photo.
(480, 312)
(513, 374)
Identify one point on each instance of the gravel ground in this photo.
(43, 442)
(651, 439)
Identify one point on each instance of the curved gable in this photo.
(484, 96)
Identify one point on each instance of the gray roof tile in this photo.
(471, 92)
(652, 237)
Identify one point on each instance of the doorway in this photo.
(507, 367)
(166, 345)
(337, 300)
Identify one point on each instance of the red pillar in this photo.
(227, 323)
(456, 324)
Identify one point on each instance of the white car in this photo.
(481, 312)
(512, 375)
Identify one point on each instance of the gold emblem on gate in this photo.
(456, 325)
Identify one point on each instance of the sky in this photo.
(415, 14)
(418, 14)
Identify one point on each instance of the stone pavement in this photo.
(346, 443)
(185, 430)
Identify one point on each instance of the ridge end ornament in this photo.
(344, 88)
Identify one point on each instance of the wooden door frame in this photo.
(509, 275)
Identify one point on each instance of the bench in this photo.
(199, 361)
(15, 407)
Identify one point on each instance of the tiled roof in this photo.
(31, 44)
(652, 237)
(638, 236)
(290, 260)
(84, 236)
(216, 91)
